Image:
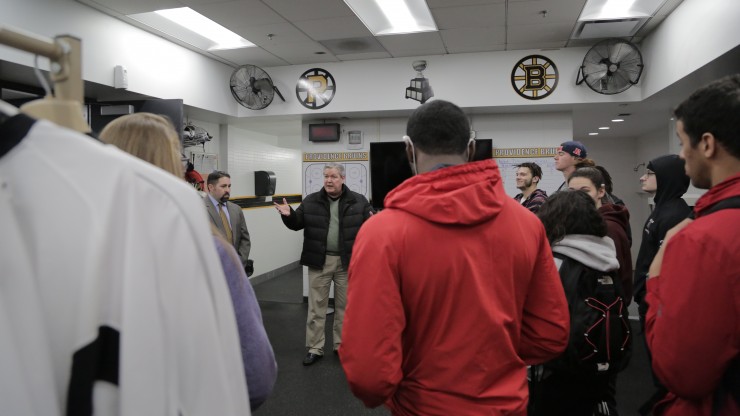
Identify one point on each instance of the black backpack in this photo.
(600, 333)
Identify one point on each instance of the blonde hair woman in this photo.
(152, 138)
(149, 137)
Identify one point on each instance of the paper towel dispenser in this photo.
(264, 183)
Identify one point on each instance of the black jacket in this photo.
(313, 217)
(670, 209)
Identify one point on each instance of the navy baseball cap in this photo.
(574, 148)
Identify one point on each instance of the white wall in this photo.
(469, 80)
(273, 245)
(697, 32)
(156, 67)
(619, 157)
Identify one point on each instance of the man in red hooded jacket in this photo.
(453, 289)
(692, 325)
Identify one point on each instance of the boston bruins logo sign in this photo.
(534, 77)
(315, 88)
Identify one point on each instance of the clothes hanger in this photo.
(6, 111)
(64, 52)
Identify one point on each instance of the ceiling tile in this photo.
(235, 15)
(137, 6)
(470, 16)
(555, 32)
(455, 3)
(476, 48)
(191, 3)
(252, 56)
(535, 45)
(574, 43)
(333, 28)
(309, 9)
(366, 44)
(558, 11)
(427, 43)
(363, 56)
(417, 52)
(301, 52)
(281, 33)
(474, 38)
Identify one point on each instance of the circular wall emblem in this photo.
(534, 77)
(315, 88)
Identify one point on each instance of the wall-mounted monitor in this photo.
(329, 132)
(389, 166)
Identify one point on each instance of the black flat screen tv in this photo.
(324, 132)
(389, 166)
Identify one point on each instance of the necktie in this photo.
(225, 222)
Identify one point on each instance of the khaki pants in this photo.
(319, 282)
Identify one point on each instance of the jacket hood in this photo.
(617, 214)
(465, 194)
(670, 177)
(595, 252)
(728, 188)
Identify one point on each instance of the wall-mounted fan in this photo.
(252, 87)
(611, 66)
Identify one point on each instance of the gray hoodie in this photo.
(595, 252)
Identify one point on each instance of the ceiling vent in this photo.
(594, 29)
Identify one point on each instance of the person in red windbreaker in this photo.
(453, 289)
(693, 291)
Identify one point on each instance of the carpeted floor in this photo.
(322, 390)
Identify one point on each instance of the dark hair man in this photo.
(692, 323)
(452, 288)
(528, 176)
(227, 216)
(569, 156)
(665, 178)
(330, 219)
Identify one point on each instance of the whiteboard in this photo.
(551, 177)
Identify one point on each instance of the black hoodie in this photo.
(669, 210)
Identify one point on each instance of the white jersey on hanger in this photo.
(112, 296)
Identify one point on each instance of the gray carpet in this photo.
(322, 390)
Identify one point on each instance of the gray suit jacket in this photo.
(238, 227)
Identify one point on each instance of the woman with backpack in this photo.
(593, 181)
(575, 382)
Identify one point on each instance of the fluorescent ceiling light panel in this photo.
(191, 27)
(392, 17)
(619, 9)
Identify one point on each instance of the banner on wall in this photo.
(356, 170)
(509, 158)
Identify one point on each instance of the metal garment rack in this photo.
(65, 56)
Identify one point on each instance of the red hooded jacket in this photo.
(692, 325)
(452, 291)
(617, 220)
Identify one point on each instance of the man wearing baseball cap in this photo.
(567, 156)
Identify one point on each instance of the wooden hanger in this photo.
(65, 53)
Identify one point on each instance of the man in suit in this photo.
(227, 216)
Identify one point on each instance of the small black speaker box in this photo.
(264, 183)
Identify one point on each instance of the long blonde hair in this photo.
(149, 137)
